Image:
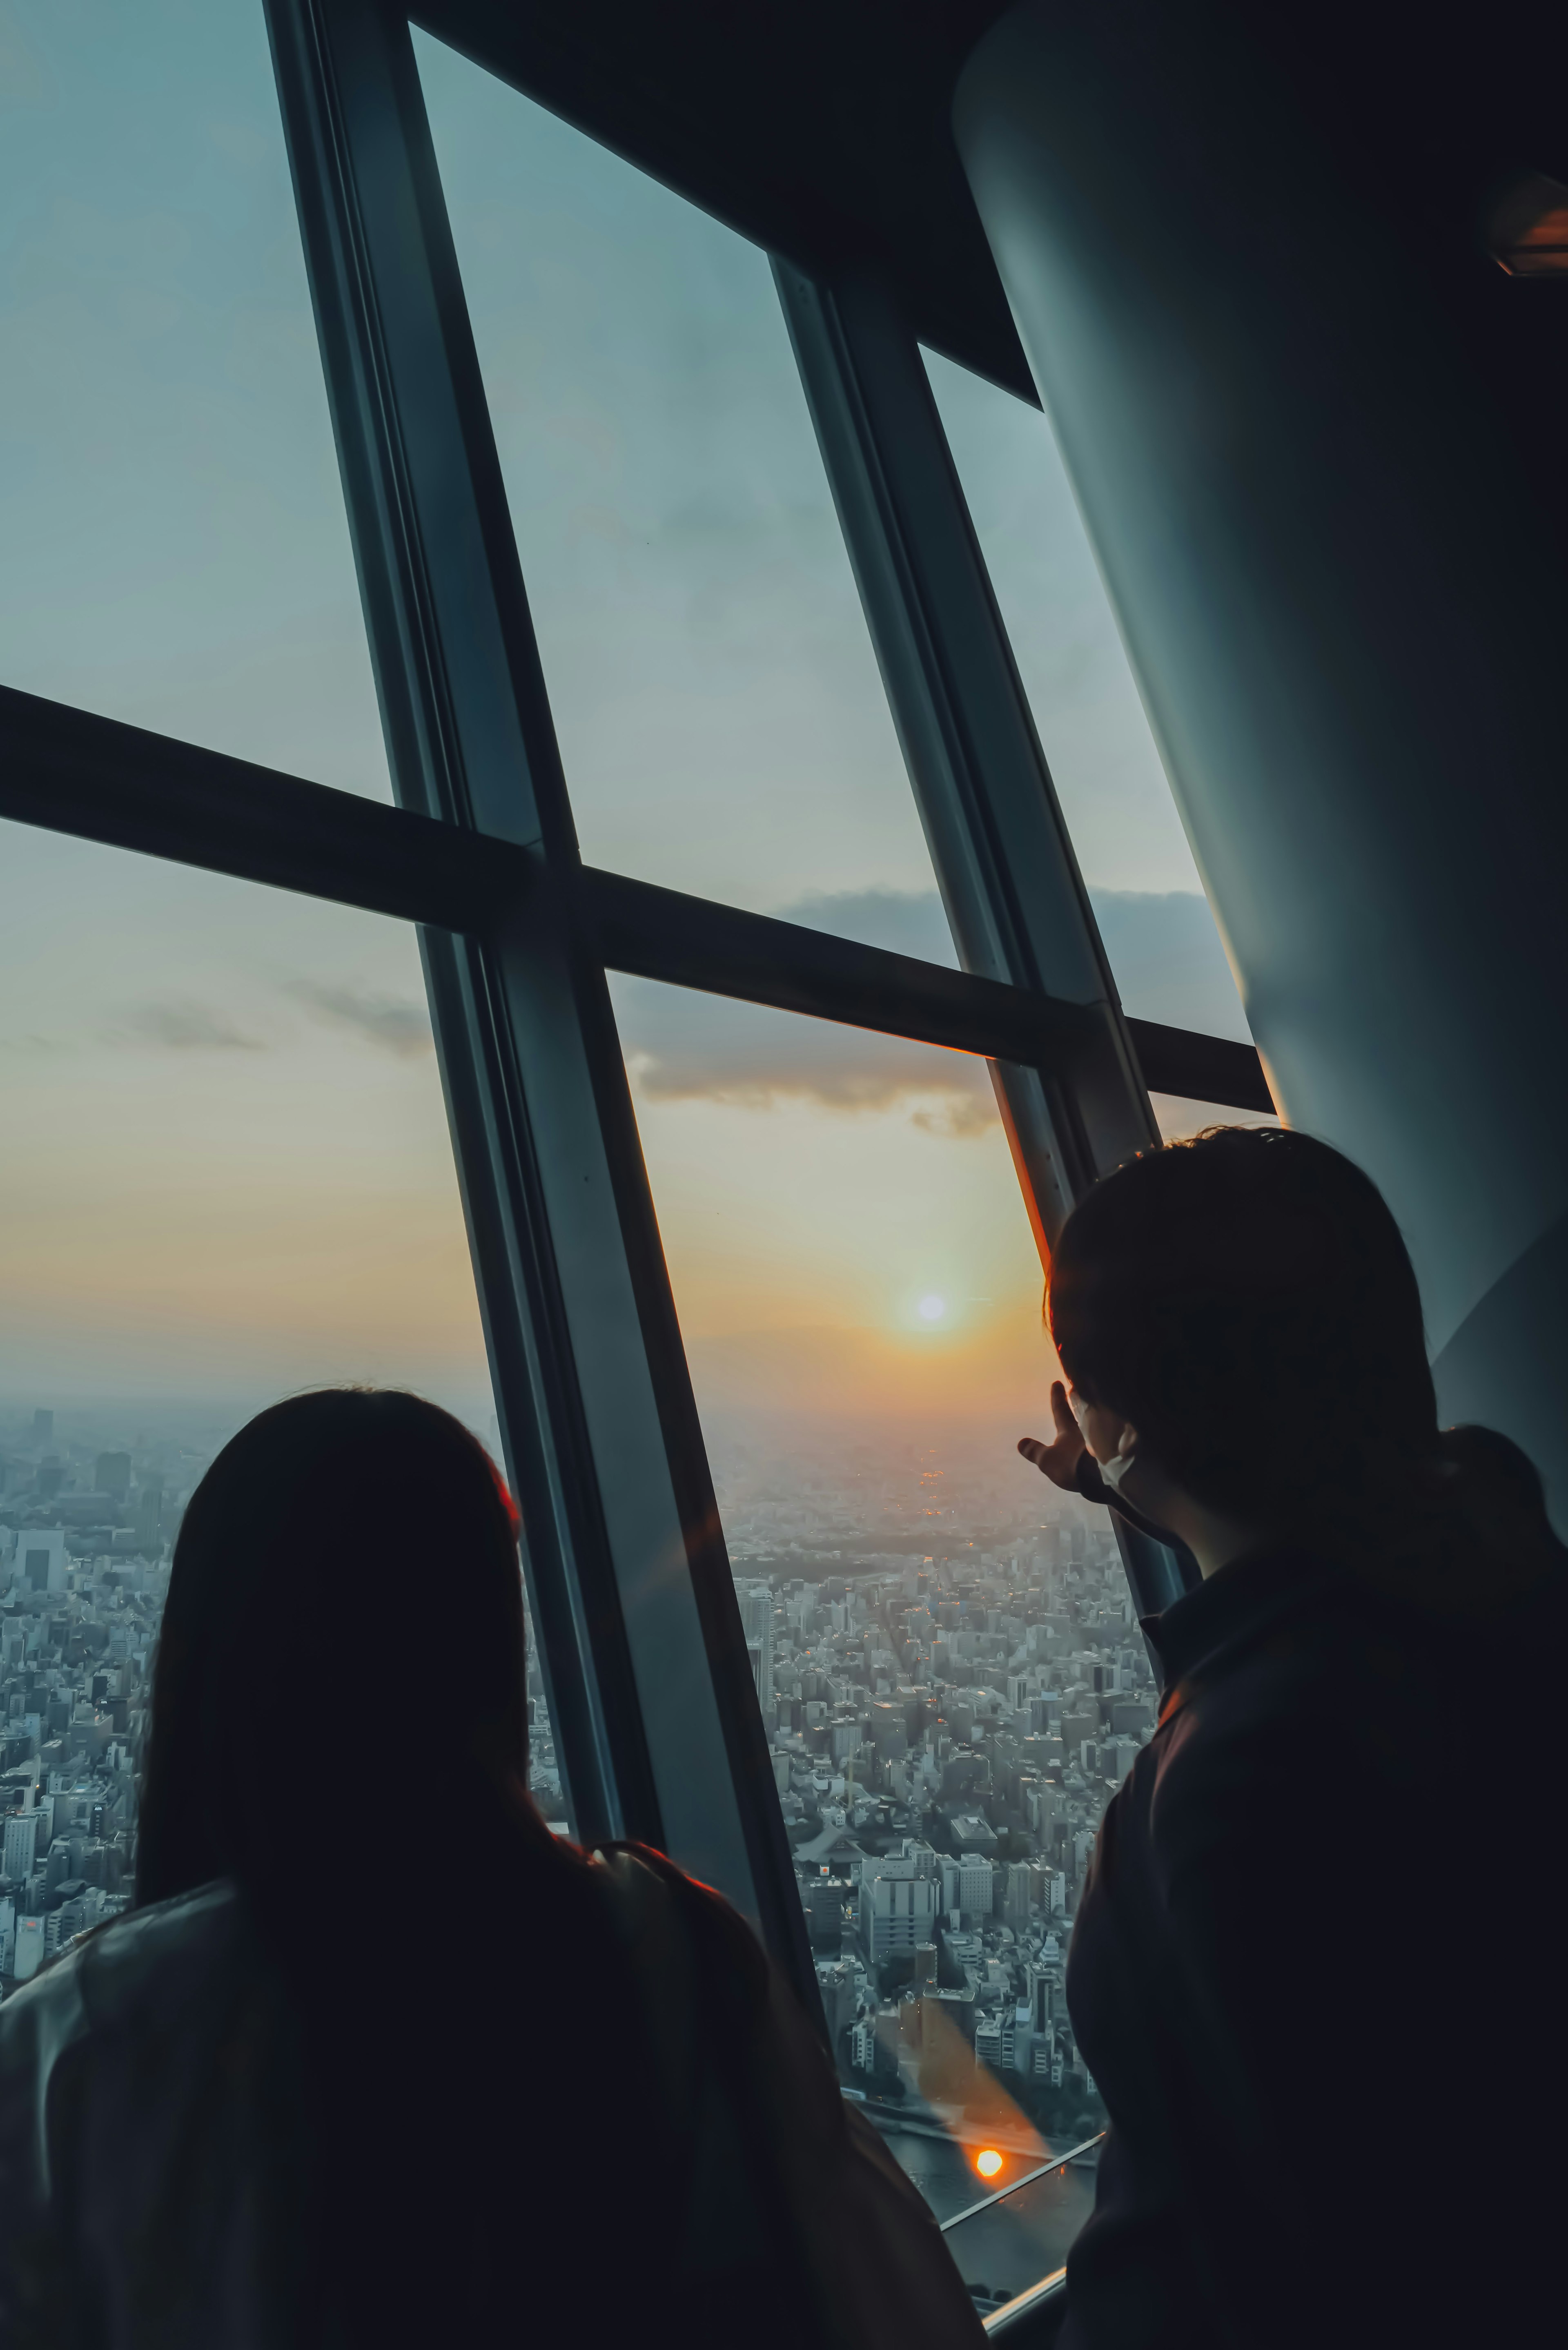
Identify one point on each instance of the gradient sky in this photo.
(225, 1163)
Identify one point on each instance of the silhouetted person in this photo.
(377, 2059)
(1316, 1970)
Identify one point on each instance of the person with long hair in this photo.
(1316, 1963)
(375, 2058)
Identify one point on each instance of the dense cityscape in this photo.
(948, 1678)
(952, 1688)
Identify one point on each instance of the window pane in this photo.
(226, 1177)
(1160, 934)
(173, 549)
(718, 702)
(949, 1675)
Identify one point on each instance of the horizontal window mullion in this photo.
(652, 932)
(71, 770)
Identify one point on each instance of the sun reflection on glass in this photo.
(988, 2162)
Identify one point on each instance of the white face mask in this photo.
(1116, 1469)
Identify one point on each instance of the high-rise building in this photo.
(977, 1885)
(30, 1949)
(40, 1562)
(112, 1474)
(757, 1622)
(839, 1981)
(897, 1907)
(43, 1428)
(148, 1517)
(20, 1846)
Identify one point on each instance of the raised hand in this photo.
(1058, 1461)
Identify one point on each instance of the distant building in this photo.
(30, 1949)
(839, 1980)
(898, 1906)
(20, 1846)
(977, 1885)
(40, 1560)
(825, 1898)
(112, 1474)
(1046, 1999)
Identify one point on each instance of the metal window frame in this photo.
(641, 1646)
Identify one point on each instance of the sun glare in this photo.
(932, 1308)
(988, 2162)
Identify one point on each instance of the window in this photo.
(760, 618)
(720, 718)
(1148, 901)
(942, 1643)
(227, 1177)
(173, 547)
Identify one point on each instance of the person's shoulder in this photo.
(648, 1894)
(148, 1956)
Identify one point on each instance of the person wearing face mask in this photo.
(1315, 1965)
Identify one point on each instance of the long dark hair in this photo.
(340, 1725)
(1247, 1301)
(318, 1533)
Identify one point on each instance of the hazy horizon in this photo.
(224, 1161)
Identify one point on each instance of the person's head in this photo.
(1246, 1302)
(318, 1560)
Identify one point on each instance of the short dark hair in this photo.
(1246, 1300)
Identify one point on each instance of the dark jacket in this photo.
(1318, 1971)
(156, 2188)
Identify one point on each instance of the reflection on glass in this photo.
(1160, 934)
(943, 1644)
(720, 711)
(226, 1177)
(1004, 2246)
(173, 549)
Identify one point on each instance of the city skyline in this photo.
(948, 1681)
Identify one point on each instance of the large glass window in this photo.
(227, 1167)
(174, 550)
(226, 1177)
(1148, 901)
(942, 1646)
(714, 690)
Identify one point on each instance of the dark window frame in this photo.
(640, 1641)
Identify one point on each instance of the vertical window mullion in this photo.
(660, 1731)
(1004, 860)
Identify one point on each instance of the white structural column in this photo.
(1345, 600)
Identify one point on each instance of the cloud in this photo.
(394, 1023)
(905, 921)
(183, 1024)
(684, 1045)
